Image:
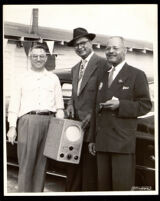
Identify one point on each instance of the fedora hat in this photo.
(79, 33)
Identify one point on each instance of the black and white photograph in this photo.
(80, 99)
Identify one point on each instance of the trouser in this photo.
(116, 172)
(82, 176)
(32, 131)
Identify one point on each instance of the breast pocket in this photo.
(126, 92)
(48, 92)
(28, 88)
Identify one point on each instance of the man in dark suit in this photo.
(122, 96)
(82, 177)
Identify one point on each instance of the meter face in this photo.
(73, 133)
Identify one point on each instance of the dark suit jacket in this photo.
(114, 131)
(84, 103)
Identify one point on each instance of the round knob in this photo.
(69, 156)
(71, 148)
(76, 157)
(61, 155)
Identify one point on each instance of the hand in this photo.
(110, 104)
(70, 111)
(60, 114)
(92, 148)
(12, 134)
(86, 121)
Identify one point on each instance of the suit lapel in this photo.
(103, 85)
(91, 66)
(119, 80)
(76, 77)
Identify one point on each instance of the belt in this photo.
(41, 113)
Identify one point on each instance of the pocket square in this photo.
(100, 86)
(125, 87)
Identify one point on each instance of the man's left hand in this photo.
(86, 121)
(110, 104)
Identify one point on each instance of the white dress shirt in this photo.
(117, 69)
(34, 91)
(86, 63)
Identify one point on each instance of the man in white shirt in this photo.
(83, 177)
(35, 98)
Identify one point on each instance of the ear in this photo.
(46, 58)
(125, 50)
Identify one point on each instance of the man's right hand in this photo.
(70, 111)
(12, 134)
(92, 148)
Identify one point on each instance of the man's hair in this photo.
(40, 46)
(120, 37)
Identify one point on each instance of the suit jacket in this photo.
(114, 131)
(83, 103)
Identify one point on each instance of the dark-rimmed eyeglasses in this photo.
(83, 43)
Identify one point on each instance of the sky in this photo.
(133, 21)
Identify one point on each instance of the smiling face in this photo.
(83, 47)
(38, 58)
(115, 51)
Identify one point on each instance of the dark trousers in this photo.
(116, 172)
(32, 131)
(82, 176)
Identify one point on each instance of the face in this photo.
(38, 58)
(83, 47)
(115, 51)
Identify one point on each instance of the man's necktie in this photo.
(81, 70)
(110, 77)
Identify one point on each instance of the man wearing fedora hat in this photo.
(83, 177)
(35, 98)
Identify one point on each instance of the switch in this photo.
(62, 155)
(69, 156)
(76, 157)
(71, 148)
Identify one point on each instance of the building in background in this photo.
(18, 38)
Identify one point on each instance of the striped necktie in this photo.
(81, 70)
(110, 77)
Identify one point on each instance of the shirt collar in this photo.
(89, 57)
(41, 73)
(36, 72)
(118, 67)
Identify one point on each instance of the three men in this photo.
(35, 98)
(83, 177)
(122, 96)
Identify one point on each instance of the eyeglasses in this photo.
(83, 43)
(41, 56)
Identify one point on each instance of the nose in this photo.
(111, 49)
(38, 57)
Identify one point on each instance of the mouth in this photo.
(81, 51)
(111, 55)
(38, 63)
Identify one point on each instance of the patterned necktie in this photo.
(110, 77)
(81, 71)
